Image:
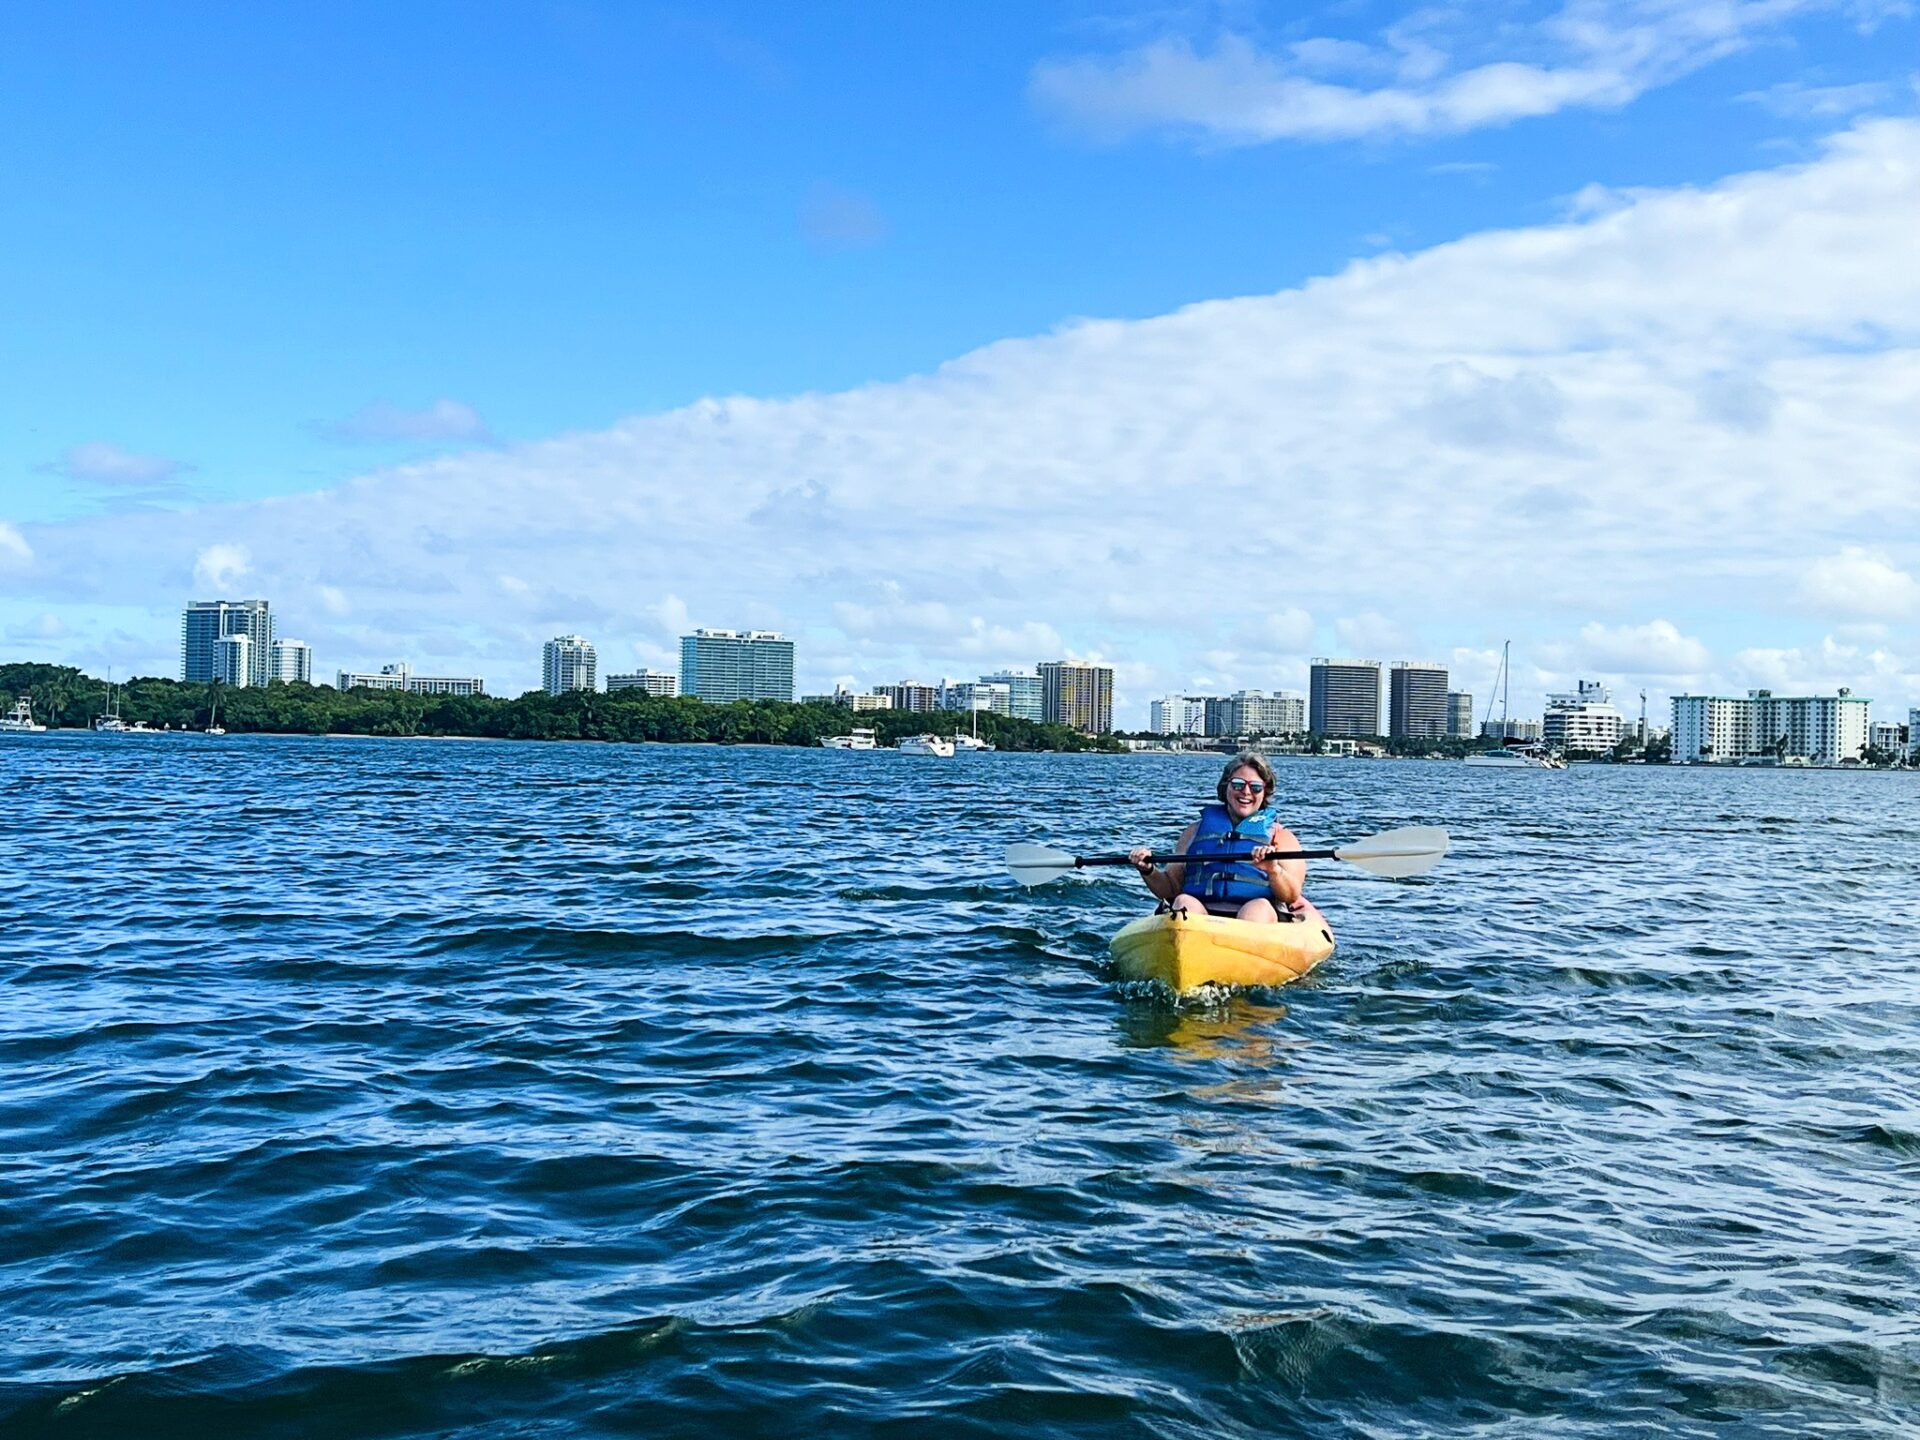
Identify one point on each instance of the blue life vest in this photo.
(1216, 834)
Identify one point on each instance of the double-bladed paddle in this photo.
(1396, 854)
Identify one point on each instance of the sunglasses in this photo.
(1241, 787)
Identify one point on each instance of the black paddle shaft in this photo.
(1080, 862)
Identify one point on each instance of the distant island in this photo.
(66, 698)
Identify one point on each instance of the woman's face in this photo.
(1246, 792)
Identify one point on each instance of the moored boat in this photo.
(926, 745)
(19, 720)
(859, 739)
(1184, 951)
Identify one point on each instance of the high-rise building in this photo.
(1583, 721)
(910, 695)
(291, 662)
(1417, 700)
(652, 682)
(719, 666)
(995, 698)
(1178, 715)
(1344, 697)
(1077, 695)
(204, 623)
(1825, 729)
(1026, 696)
(233, 659)
(401, 677)
(1459, 714)
(1254, 712)
(1913, 734)
(567, 662)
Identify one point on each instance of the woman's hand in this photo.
(1141, 858)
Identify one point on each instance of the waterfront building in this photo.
(1078, 695)
(910, 695)
(1026, 696)
(401, 677)
(1583, 721)
(1913, 734)
(1343, 697)
(1417, 700)
(1459, 714)
(233, 659)
(568, 662)
(1178, 715)
(204, 623)
(652, 682)
(1822, 729)
(720, 666)
(1254, 712)
(291, 662)
(994, 697)
(849, 699)
(1888, 735)
(1523, 730)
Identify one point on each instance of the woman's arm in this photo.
(1165, 884)
(1287, 879)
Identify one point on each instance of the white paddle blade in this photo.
(1398, 854)
(1037, 864)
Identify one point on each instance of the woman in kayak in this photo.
(1247, 882)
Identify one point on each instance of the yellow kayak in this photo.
(1184, 951)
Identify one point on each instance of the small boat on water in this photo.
(971, 743)
(19, 720)
(926, 745)
(860, 738)
(1184, 951)
(1508, 756)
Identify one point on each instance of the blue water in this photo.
(359, 1087)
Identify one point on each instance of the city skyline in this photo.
(1531, 372)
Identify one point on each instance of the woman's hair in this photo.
(1247, 760)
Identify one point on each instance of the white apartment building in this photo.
(1822, 729)
(994, 697)
(652, 682)
(567, 662)
(1583, 720)
(1254, 712)
(1888, 735)
(233, 659)
(1178, 715)
(292, 662)
(401, 677)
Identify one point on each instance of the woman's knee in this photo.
(1189, 904)
(1259, 910)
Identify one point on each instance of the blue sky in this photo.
(304, 252)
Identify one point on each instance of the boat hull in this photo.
(1184, 951)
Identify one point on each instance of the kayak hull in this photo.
(1185, 951)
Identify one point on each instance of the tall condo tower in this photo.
(1077, 695)
(1417, 700)
(1026, 699)
(292, 662)
(1343, 697)
(719, 666)
(567, 662)
(205, 623)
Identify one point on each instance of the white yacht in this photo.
(1511, 757)
(926, 745)
(971, 744)
(19, 720)
(859, 739)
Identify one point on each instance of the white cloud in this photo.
(14, 550)
(99, 463)
(1863, 582)
(1656, 648)
(1820, 102)
(1443, 70)
(332, 599)
(381, 423)
(218, 567)
(1156, 489)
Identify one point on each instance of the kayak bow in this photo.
(1184, 951)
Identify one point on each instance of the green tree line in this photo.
(64, 697)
